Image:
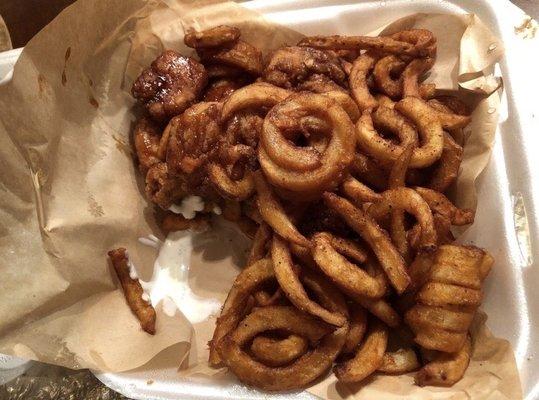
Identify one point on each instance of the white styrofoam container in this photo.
(509, 185)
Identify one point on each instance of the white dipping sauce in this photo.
(170, 284)
(188, 207)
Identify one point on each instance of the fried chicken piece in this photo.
(146, 136)
(162, 188)
(171, 84)
(213, 37)
(221, 89)
(222, 71)
(289, 66)
(194, 138)
(240, 55)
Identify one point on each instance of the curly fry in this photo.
(358, 82)
(333, 162)
(256, 95)
(213, 37)
(441, 205)
(273, 213)
(407, 199)
(233, 189)
(384, 150)
(259, 248)
(247, 282)
(326, 343)
(411, 75)
(358, 327)
(383, 71)
(397, 178)
(368, 358)
(447, 167)
(292, 287)
(383, 44)
(446, 369)
(358, 192)
(275, 353)
(133, 292)
(390, 259)
(351, 279)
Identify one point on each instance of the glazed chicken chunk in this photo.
(171, 84)
(289, 66)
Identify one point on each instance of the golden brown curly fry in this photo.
(259, 248)
(446, 369)
(275, 352)
(408, 200)
(327, 343)
(397, 178)
(240, 189)
(385, 251)
(382, 44)
(370, 141)
(273, 213)
(349, 277)
(383, 73)
(357, 80)
(369, 356)
(400, 361)
(441, 205)
(252, 278)
(256, 95)
(213, 37)
(411, 75)
(333, 162)
(358, 192)
(358, 327)
(292, 287)
(447, 167)
(133, 292)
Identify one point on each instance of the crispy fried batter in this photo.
(170, 85)
(290, 66)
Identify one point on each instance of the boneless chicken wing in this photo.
(171, 84)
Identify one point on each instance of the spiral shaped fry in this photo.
(306, 171)
(449, 297)
(325, 344)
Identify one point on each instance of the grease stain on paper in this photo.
(93, 102)
(122, 145)
(527, 29)
(66, 58)
(42, 84)
(94, 207)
